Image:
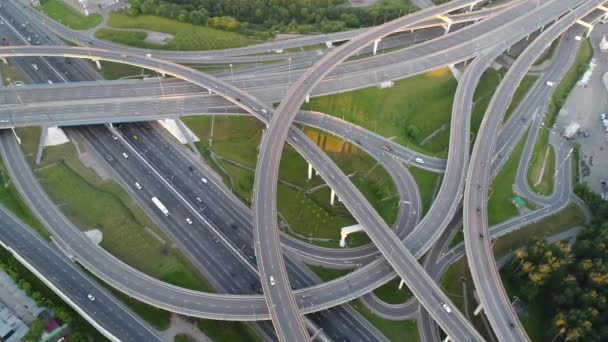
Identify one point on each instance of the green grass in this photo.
(500, 207)
(548, 53)
(570, 217)
(393, 330)
(91, 203)
(11, 73)
(11, 200)
(391, 294)
(421, 103)
(183, 338)
(114, 71)
(542, 151)
(327, 274)
(186, 36)
(458, 238)
(426, 182)
(522, 90)
(131, 38)
(224, 331)
(63, 13)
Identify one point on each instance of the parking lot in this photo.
(585, 105)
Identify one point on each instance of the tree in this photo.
(35, 332)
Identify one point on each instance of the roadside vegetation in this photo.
(66, 15)
(264, 18)
(185, 36)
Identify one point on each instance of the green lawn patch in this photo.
(327, 274)
(183, 338)
(390, 293)
(225, 331)
(570, 217)
(500, 207)
(409, 111)
(521, 91)
(63, 13)
(426, 182)
(115, 71)
(131, 38)
(543, 154)
(393, 330)
(186, 36)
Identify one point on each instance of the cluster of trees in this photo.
(265, 17)
(44, 297)
(572, 282)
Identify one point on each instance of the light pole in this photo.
(231, 73)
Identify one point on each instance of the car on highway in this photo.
(109, 158)
(419, 160)
(35, 66)
(550, 84)
(138, 186)
(188, 220)
(446, 308)
(125, 155)
(204, 180)
(91, 297)
(271, 278)
(114, 136)
(200, 200)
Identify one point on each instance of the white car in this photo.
(204, 180)
(603, 116)
(138, 186)
(550, 84)
(200, 200)
(271, 278)
(114, 136)
(264, 111)
(446, 308)
(419, 161)
(188, 220)
(91, 297)
(35, 66)
(125, 155)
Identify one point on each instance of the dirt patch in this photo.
(362, 3)
(158, 37)
(94, 164)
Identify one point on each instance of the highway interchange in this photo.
(381, 235)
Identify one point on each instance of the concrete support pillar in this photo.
(162, 74)
(307, 98)
(43, 133)
(309, 171)
(97, 63)
(448, 22)
(4, 61)
(316, 172)
(587, 25)
(186, 133)
(376, 46)
(16, 136)
(477, 310)
(447, 339)
(401, 283)
(588, 32)
(329, 44)
(605, 17)
(542, 28)
(332, 197)
(471, 7)
(447, 28)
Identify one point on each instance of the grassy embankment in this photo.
(63, 13)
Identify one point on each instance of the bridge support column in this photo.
(448, 22)
(401, 283)
(4, 61)
(162, 74)
(43, 133)
(588, 26)
(447, 339)
(329, 44)
(309, 171)
(97, 63)
(188, 136)
(477, 310)
(376, 46)
(332, 197)
(307, 98)
(605, 17)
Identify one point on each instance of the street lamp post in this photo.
(231, 73)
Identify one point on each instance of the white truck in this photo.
(571, 130)
(160, 206)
